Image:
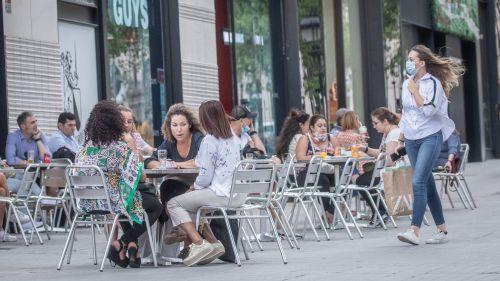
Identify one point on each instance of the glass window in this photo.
(253, 62)
(128, 47)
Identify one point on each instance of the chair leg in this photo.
(447, 191)
(462, 178)
(309, 219)
(279, 220)
(352, 217)
(247, 239)
(94, 246)
(342, 219)
(231, 237)
(318, 214)
(240, 240)
(72, 242)
(377, 213)
(33, 223)
(151, 241)
(288, 226)
(9, 213)
(108, 244)
(464, 191)
(382, 200)
(20, 225)
(459, 192)
(250, 225)
(277, 237)
(65, 249)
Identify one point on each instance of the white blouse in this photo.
(420, 122)
(217, 159)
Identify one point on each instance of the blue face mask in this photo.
(245, 129)
(411, 69)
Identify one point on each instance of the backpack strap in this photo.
(434, 94)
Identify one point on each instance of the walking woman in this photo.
(424, 126)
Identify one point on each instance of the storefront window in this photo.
(128, 47)
(253, 63)
(392, 54)
(312, 66)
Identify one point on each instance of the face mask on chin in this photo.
(321, 137)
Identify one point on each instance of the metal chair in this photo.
(337, 196)
(302, 195)
(458, 180)
(255, 183)
(379, 166)
(21, 199)
(53, 176)
(93, 187)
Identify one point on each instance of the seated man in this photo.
(27, 138)
(242, 126)
(64, 137)
(450, 153)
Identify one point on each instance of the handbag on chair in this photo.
(398, 190)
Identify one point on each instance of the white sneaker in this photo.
(409, 237)
(7, 237)
(22, 217)
(437, 238)
(218, 250)
(197, 253)
(27, 227)
(266, 237)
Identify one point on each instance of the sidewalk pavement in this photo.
(473, 252)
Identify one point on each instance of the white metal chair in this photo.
(302, 196)
(53, 176)
(458, 180)
(379, 166)
(20, 200)
(248, 180)
(89, 183)
(337, 196)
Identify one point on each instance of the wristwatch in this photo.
(252, 133)
(37, 140)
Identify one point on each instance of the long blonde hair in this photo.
(446, 69)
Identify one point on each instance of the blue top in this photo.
(59, 139)
(18, 146)
(335, 130)
(450, 146)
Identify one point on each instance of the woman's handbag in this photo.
(398, 190)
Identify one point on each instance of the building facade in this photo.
(65, 55)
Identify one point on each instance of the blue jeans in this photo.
(423, 154)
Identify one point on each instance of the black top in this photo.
(173, 153)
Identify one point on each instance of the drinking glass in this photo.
(249, 155)
(162, 157)
(31, 156)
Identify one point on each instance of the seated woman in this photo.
(450, 153)
(182, 133)
(349, 135)
(217, 158)
(386, 123)
(295, 126)
(104, 147)
(130, 133)
(314, 143)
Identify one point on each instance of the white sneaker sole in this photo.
(212, 256)
(433, 242)
(202, 256)
(406, 240)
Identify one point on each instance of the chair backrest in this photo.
(55, 176)
(464, 157)
(283, 176)
(379, 166)
(29, 178)
(253, 177)
(313, 172)
(87, 183)
(346, 175)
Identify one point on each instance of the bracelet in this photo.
(37, 140)
(401, 140)
(252, 133)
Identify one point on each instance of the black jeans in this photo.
(169, 189)
(153, 208)
(324, 183)
(364, 180)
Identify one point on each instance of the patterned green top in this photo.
(122, 170)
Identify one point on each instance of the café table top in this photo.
(169, 171)
(11, 170)
(340, 159)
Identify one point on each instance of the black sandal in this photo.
(134, 261)
(114, 256)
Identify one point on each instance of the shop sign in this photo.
(458, 17)
(131, 13)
